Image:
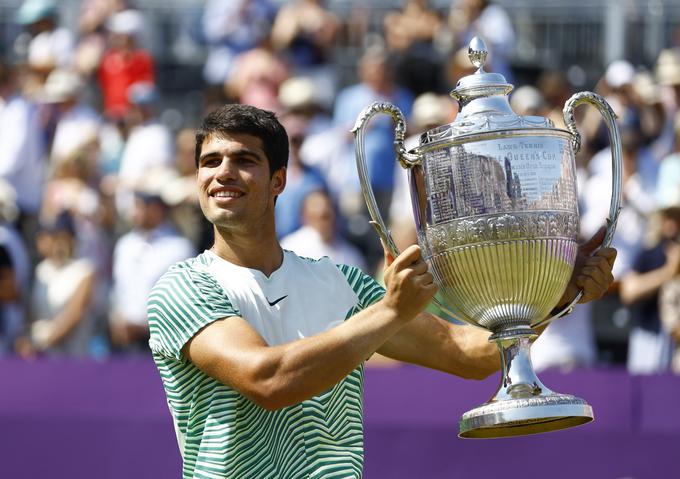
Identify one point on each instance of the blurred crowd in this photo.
(97, 193)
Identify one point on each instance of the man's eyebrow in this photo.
(240, 152)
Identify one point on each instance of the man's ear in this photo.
(279, 181)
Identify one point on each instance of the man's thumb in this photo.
(594, 242)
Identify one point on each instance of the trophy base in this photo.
(522, 404)
(523, 416)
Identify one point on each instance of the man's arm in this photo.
(232, 352)
(465, 350)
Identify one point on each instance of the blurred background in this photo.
(99, 100)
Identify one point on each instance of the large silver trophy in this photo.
(495, 205)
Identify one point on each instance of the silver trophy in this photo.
(495, 205)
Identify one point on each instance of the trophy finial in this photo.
(477, 53)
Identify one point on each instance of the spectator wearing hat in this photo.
(124, 63)
(140, 257)
(76, 123)
(50, 46)
(63, 289)
(299, 96)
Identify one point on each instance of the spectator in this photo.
(376, 84)
(556, 89)
(140, 257)
(77, 124)
(124, 63)
(318, 237)
(528, 100)
(669, 310)
(306, 33)
(22, 163)
(62, 292)
(299, 97)
(181, 193)
(257, 75)
(9, 294)
(232, 28)
(92, 19)
(300, 179)
(410, 34)
(16, 273)
(486, 19)
(638, 201)
(149, 145)
(649, 350)
(50, 46)
(668, 75)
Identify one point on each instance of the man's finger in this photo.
(609, 254)
(594, 242)
(407, 257)
(389, 257)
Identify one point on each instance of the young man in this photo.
(261, 351)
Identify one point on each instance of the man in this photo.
(261, 352)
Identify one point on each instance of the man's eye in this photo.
(211, 162)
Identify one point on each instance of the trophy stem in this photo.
(522, 404)
(518, 379)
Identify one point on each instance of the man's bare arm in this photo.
(232, 352)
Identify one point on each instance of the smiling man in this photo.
(261, 352)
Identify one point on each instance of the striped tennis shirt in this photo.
(221, 433)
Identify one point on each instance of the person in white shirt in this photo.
(318, 237)
(140, 257)
(150, 144)
(77, 124)
(21, 146)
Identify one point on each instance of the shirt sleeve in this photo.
(182, 303)
(366, 288)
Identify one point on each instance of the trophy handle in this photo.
(406, 160)
(617, 166)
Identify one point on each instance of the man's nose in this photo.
(226, 170)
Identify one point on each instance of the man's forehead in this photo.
(226, 142)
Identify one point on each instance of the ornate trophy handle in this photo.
(615, 139)
(406, 160)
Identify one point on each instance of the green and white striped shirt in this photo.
(221, 433)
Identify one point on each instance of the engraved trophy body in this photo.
(495, 205)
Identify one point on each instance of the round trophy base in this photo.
(523, 416)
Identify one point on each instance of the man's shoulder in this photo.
(187, 270)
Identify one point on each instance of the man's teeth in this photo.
(227, 194)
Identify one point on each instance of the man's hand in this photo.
(592, 274)
(409, 285)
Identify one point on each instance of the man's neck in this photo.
(261, 252)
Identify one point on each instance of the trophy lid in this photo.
(481, 84)
(484, 105)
